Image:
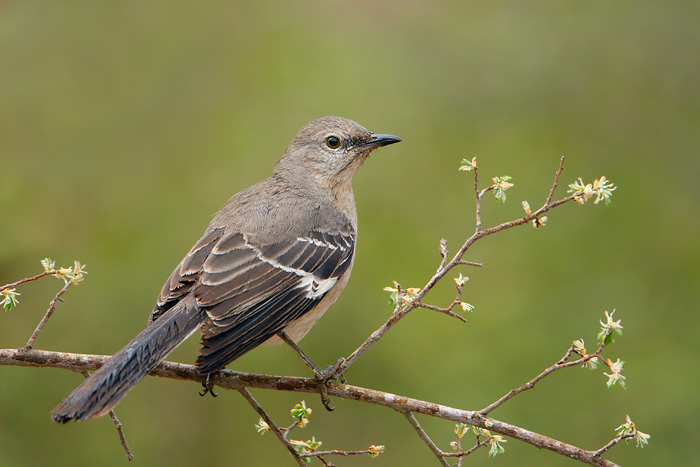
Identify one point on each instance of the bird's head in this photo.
(330, 150)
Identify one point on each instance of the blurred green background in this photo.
(125, 125)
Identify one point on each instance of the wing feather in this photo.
(251, 291)
(186, 274)
(234, 341)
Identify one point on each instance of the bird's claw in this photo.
(325, 399)
(208, 387)
(330, 373)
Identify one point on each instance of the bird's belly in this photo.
(298, 328)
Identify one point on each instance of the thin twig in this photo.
(49, 312)
(122, 438)
(562, 363)
(462, 454)
(531, 384)
(448, 311)
(458, 445)
(478, 200)
(336, 452)
(469, 263)
(426, 439)
(556, 180)
(443, 253)
(118, 426)
(275, 429)
(22, 281)
(614, 441)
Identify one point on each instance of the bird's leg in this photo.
(208, 387)
(329, 373)
(288, 340)
(322, 376)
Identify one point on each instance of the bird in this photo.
(273, 259)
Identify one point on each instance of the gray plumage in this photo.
(273, 259)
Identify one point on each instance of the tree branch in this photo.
(234, 380)
(406, 301)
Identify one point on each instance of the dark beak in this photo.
(379, 140)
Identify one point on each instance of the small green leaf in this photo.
(501, 184)
(9, 298)
(301, 414)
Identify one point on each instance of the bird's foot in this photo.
(208, 387)
(334, 371)
(325, 376)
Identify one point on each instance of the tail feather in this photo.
(99, 393)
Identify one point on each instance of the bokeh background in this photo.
(125, 125)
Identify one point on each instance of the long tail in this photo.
(99, 393)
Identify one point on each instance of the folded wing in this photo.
(251, 291)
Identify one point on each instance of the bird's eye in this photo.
(333, 142)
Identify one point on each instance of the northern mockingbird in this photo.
(271, 262)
